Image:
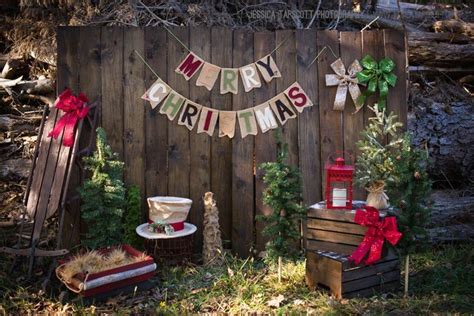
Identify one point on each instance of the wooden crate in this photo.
(333, 229)
(331, 236)
(334, 271)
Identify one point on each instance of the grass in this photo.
(441, 281)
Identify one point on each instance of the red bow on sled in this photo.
(378, 231)
(75, 108)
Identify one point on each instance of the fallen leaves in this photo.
(276, 301)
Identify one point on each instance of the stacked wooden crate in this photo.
(331, 236)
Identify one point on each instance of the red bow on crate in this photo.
(378, 231)
(75, 108)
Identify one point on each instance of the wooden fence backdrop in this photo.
(163, 158)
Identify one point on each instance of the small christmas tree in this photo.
(283, 194)
(103, 196)
(133, 217)
(410, 194)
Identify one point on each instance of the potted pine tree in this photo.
(375, 163)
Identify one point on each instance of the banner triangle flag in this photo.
(207, 121)
(189, 114)
(265, 118)
(247, 122)
(208, 76)
(298, 97)
(227, 123)
(156, 93)
(190, 65)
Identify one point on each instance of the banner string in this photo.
(319, 53)
(146, 64)
(185, 46)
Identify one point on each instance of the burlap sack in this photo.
(377, 197)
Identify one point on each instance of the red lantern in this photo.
(339, 185)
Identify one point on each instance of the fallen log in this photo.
(18, 124)
(454, 26)
(14, 68)
(15, 169)
(40, 86)
(452, 216)
(440, 49)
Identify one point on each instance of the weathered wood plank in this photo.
(341, 238)
(65, 79)
(335, 226)
(178, 135)
(351, 49)
(331, 124)
(90, 82)
(372, 44)
(134, 108)
(265, 146)
(200, 144)
(68, 76)
(308, 122)
(314, 245)
(394, 45)
(221, 147)
(322, 271)
(309, 144)
(371, 281)
(335, 214)
(286, 61)
(389, 287)
(242, 158)
(156, 125)
(387, 255)
(370, 270)
(112, 87)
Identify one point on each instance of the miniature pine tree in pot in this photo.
(375, 163)
(283, 194)
(103, 196)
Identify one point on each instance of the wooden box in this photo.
(334, 271)
(333, 229)
(331, 236)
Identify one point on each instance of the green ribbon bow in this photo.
(376, 75)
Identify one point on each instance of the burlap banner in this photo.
(284, 106)
(229, 82)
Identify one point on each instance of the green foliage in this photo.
(410, 194)
(283, 194)
(376, 76)
(375, 162)
(443, 277)
(103, 196)
(133, 217)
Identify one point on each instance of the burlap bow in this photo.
(343, 82)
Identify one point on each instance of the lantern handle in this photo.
(341, 153)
